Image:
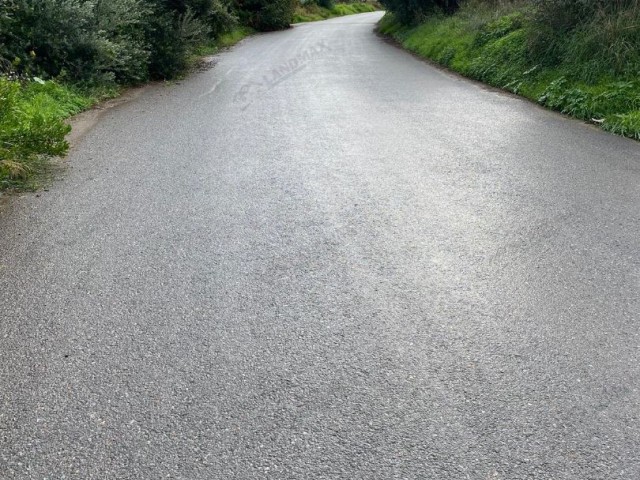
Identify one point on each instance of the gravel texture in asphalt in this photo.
(325, 259)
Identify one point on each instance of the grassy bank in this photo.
(33, 113)
(312, 12)
(590, 74)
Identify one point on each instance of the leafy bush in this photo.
(267, 15)
(102, 41)
(123, 41)
(31, 30)
(220, 18)
(120, 35)
(179, 26)
(311, 11)
(414, 11)
(326, 3)
(172, 35)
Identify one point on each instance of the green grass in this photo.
(313, 12)
(233, 37)
(624, 124)
(32, 127)
(493, 46)
(224, 41)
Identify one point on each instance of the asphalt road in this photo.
(325, 259)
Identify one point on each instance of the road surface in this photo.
(325, 259)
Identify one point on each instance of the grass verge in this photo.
(492, 45)
(33, 114)
(312, 12)
(32, 127)
(226, 40)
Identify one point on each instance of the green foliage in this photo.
(123, 41)
(329, 4)
(88, 46)
(504, 59)
(498, 28)
(172, 35)
(179, 27)
(123, 49)
(341, 9)
(410, 12)
(627, 124)
(267, 15)
(31, 127)
(102, 41)
(570, 100)
(591, 102)
(598, 37)
(312, 11)
(494, 42)
(221, 19)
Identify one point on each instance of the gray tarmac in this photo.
(325, 259)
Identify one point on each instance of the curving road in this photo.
(325, 259)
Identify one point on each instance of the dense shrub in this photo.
(31, 32)
(117, 40)
(266, 15)
(101, 40)
(171, 35)
(414, 11)
(329, 4)
(220, 18)
(178, 26)
(122, 44)
(326, 3)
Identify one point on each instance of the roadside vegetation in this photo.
(580, 57)
(59, 57)
(32, 127)
(314, 10)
